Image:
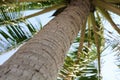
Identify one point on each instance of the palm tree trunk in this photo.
(42, 57)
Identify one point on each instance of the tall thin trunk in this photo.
(42, 57)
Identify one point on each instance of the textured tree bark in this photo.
(42, 57)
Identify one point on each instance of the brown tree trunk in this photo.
(42, 57)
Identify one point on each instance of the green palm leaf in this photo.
(108, 17)
(11, 21)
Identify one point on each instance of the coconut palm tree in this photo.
(42, 57)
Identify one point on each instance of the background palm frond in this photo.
(13, 28)
(82, 67)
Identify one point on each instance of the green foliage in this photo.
(14, 30)
(42, 4)
(80, 68)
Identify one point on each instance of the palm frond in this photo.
(89, 31)
(112, 1)
(44, 11)
(81, 39)
(107, 6)
(11, 1)
(97, 41)
(111, 53)
(13, 30)
(80, 67)
(108, 17)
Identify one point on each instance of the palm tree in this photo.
(42, 56)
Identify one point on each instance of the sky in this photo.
(108, 68)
